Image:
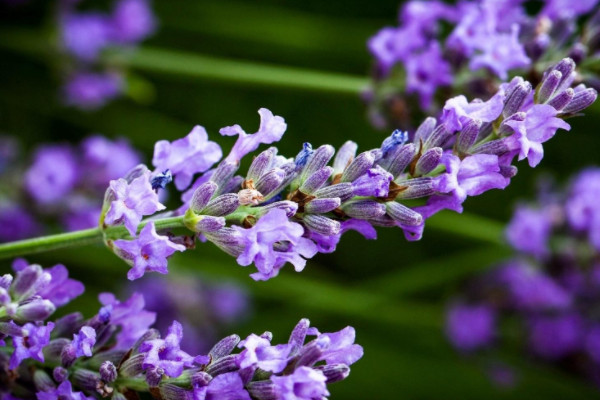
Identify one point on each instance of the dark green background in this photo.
(392, 291)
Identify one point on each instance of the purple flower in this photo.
(458, 111)
(341, 348)
(16, 223)
(501, 52)
(63, 392)
(470, 177)
(259, 353)
(271, 129)
(30, 345)
(556, 337)
(304, 384)
(89, 90)
(531, 289)
(273, 241)
(539, 125)
(529, 231)
(132, 21)
(132, 201)
(85, 35)
(592, 343)
(470, 327)
(148, 252)
(425, 72)
(53, 174)
(165, 354)
(392, 45)
(376, 182)
(557, 9)
(61, 289)
(130, 316)
(328, 244)
(583, 213)
(228, 386)
(82, 213)
(84, 341)
(105, 160)
(187, 156)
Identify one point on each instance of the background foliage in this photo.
(392, 291)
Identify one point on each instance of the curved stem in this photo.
(78, 238)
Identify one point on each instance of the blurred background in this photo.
(207, 64)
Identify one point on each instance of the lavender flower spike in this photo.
(272, 128)
(148, 252)
(132, 201)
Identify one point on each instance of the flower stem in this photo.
(78, 238)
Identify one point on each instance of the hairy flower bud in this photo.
(428, 161)
(202, 196)
(321, 206)
(562, 99)
(316, 180)
(358, 167)
(222, 205)
(224, 347)
(318, 160)
(261, 164)
(364, 209)
(581, 100)
(108, 372)
(321, 224)
(403, 215)
(344, 157)
(548, 86)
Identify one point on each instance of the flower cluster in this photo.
(288, 209)
(204, 309)
(550, 287)
(116, 354)
(63, 182)
(84, 35)
(487, 41)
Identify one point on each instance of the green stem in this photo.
(191, 65)
(78, 238)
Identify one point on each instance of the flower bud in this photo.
(86, 379)
(223, 174)
(263, 390)
(364, 209)
(68, 355)
(318, 160)
(36, 310)
(507, 130)
(566, 67)
(358, 167)
(170, 391)
(132, 366)
(321, 224)
(303, 156)
(207, 223)
(344, 157)
(108, 372)
(562, 99)
(261, 164)
(224, 347)
(222, 205)
(322, 206)
(402, 214)
(6, 281)
(548, 86)
(316, 180)
(334, 372)
(28, 280)
(416, 188)
(42, 381)
(515, 99)
(468, 135)
(202, 196)
(398, 159)
(581, 100)
(222, 365)
(60, 374)
(495, 147)
(428, 161)
(67, 325)
(289, 207)
(425, 130)
(233, 186)
(438, 138)
(270, 181)
(298, 336)
(342, 190)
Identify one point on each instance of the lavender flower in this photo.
(89, 90)
(30, 343)
(145, 362)
(53, 174)
(132, 200)
(271, 129)
(148, 252)
(132, 21)
(487, 41)
(186, 157)
(470, 327)
(554, 293)
(272, 242)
